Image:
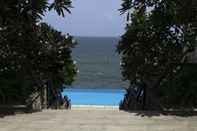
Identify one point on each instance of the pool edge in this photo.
(94, 107)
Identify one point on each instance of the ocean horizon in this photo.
(98, 63)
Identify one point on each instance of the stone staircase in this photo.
(96, 120)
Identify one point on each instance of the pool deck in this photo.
(92, 119)
(94, 107)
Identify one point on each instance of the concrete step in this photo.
(95, 120)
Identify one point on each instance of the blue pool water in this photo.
(111, 97)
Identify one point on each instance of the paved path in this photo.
(95, 120)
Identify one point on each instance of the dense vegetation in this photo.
(32, 53)
(180, 91)
(159, 36)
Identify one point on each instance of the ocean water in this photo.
(98, 63)
(99, 80)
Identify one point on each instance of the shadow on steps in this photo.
(180, 113)
(6, 110)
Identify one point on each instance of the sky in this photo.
(90, 18)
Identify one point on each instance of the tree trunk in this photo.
(152, 100)
(144, 99)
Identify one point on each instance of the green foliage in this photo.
(180, 90)
(54, 60)
(32, 9)
(157, 40)
(14, 88)
(60, 6)
(33, 51)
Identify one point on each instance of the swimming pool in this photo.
(105, 97)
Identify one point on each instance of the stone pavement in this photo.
(95, 120)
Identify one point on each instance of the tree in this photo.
(182, 88)
(31, 50)
(159, 35)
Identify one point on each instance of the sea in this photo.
(98, 63)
